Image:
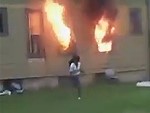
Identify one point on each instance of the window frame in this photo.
(41, 54)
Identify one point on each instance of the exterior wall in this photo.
(13, 47)
(130, 58)
(130, 52)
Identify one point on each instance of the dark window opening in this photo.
(136, 21)
(3, 22)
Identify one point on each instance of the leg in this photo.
(76, 83)
(78, 86)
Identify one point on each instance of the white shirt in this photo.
(75, 70)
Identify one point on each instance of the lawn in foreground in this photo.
(101, 98)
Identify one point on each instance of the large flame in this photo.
(55, 13)
(101, 31)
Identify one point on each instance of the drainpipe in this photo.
(147, 2)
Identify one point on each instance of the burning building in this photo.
(38, 37)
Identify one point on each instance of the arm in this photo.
(71, 69)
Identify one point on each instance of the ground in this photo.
(99, 98)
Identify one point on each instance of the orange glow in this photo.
(55, 13)
(112, 30)
(101, 31)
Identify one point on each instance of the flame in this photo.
(55, 13)
(101, 31)
(112, 31)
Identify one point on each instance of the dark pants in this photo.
(76, 83)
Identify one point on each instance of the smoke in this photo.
(94, 9)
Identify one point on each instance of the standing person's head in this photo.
(72, 60)
(76, 60)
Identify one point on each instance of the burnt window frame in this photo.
(137, 25)
(4, 13)
(30, 38)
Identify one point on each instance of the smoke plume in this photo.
(94, 9)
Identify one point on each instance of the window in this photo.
(3, 22)
(135, 21)
(35, 26)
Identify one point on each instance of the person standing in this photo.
(75, 70)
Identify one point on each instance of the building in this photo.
(19, 58)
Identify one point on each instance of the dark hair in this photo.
(70, 62)
(75, 59)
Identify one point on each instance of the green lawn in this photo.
(101, 98)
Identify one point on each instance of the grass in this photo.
(101, 98)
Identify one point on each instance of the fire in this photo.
(55, 13)
(101, 31)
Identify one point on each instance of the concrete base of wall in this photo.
(38, 83)
(87, 79)
(65, 81)
(52, 82)
(132, 76)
